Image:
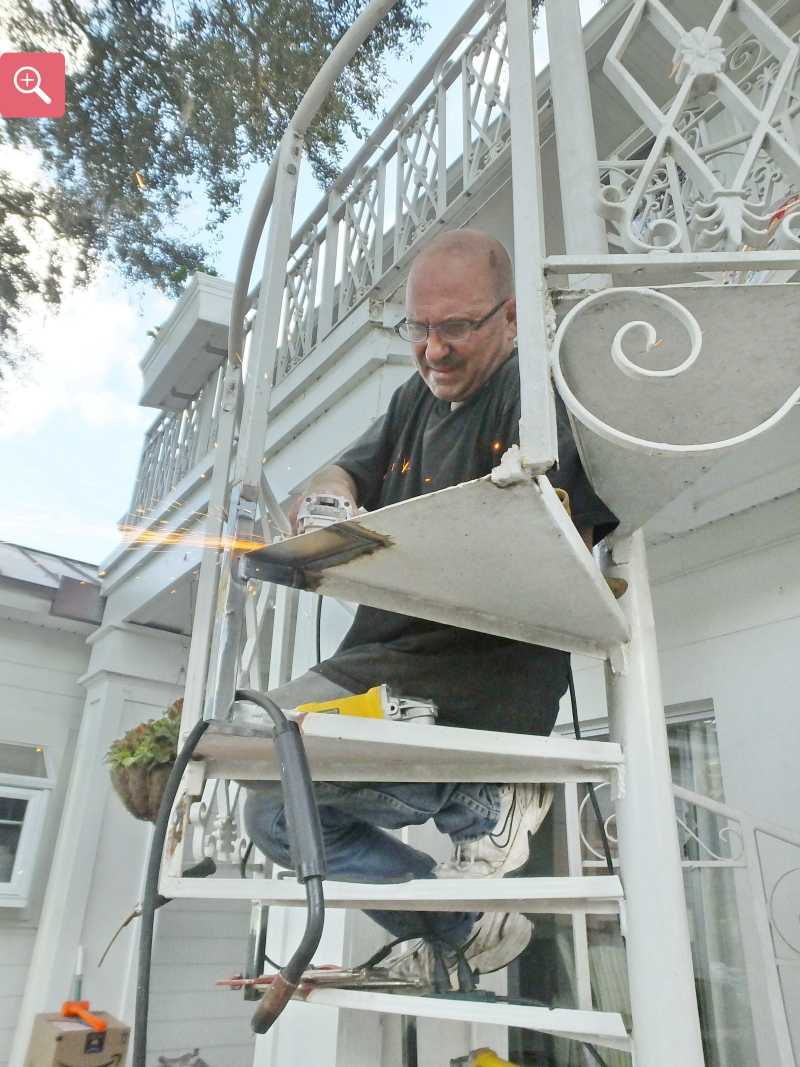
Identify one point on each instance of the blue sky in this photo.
(71, 432)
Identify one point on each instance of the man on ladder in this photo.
(450, 423)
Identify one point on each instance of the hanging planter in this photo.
(141, 761)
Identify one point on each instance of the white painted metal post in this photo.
(580, 938)
(663, 999)
(329, 266)
(204, 612)
(576, 144)
(263, 351)
(283, 636)
(537, 429)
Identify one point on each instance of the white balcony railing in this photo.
(429, 155)
(176, 443)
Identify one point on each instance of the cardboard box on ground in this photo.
(60, 1042)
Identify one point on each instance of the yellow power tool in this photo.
(377, 703)
(481, 1057)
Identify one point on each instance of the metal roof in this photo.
(71, 586)
(42, 568)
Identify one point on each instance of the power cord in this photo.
(150, 900)
(592, 794)
(319, 628)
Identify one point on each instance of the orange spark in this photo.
(187, 539)
(406, 466)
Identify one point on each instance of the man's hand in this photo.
(333, 481)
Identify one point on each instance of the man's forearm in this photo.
(334, 480)
(331, 480)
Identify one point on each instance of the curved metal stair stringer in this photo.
(662, 383)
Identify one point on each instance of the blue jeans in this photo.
(356, 816)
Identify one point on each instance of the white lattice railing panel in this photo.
(421, 192)
(722, 169)
(485, 85)
(176, 443)
(299, 323)
(363, 237)
(435, 146)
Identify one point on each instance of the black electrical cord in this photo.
(319, 629)
(465, 975)
(245, 859)
(151, 894)
(592, 794)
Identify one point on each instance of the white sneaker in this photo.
(496, 940)
(507, 849)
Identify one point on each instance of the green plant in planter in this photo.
(142, 759)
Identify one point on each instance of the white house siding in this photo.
(197, 944)
(40, 702)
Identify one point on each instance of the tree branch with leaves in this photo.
(167, 101)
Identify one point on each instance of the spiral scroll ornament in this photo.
(656, 300)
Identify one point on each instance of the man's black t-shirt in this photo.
(422, 444)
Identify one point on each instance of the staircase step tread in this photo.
(344, 748)
(505, 561)
(547, 896)
(605, 1029)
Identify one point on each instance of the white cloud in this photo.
(88, 363)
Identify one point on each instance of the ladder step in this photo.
(348, 749)
(600, 895)
(605, 1029)
(429, 557)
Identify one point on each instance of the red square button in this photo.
(32, 85)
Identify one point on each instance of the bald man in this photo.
(449, 423)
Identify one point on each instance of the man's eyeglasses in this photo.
(449, 330)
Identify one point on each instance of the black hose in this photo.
(293, 971)
(151, 894)
(307, 850)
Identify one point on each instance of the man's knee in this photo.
(265, 820)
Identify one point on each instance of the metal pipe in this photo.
(576, 144)
(663, 1000)
(537, 428)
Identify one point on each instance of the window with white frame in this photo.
(25, 787)
(547, 971)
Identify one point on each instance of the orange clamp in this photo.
(79, 1009)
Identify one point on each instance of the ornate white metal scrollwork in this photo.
(727, 850)
(664, 303)
(608, 822)
(717, 198)
(729, 836)
(216, 824)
